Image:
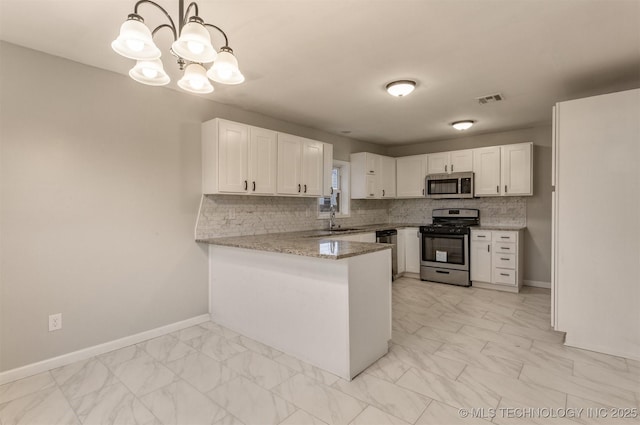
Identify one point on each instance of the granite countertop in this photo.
(311, 243)
(500, 227)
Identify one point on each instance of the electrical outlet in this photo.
(55, 322)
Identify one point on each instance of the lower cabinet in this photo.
(411, 238)
(496, 259)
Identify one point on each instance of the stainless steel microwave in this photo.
(449, 186)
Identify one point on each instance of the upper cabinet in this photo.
(300, 166)
(410, 174)
(450, 162)
(246, 160)
(238, 158)
(503, 170)
(373, 176)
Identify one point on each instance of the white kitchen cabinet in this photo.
(373, 176)
(480, 255)
(238, 158)
(503, 170)
(486, 168)
(412, 249)
(496, 259)
(410, 174)
(300, 166)
(450, 162)
(387, 180)
(516, 169)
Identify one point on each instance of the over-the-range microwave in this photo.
(449, 186)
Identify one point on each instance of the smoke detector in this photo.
(490, 98)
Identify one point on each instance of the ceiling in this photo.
(324, 63)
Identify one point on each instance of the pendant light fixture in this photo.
(191, 46)
(463, 125)
(401, 87)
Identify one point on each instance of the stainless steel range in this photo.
(444, 247)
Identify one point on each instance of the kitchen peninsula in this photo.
(324, 301)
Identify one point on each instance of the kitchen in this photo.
(98, 218)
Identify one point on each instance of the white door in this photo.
(438, 163)
(516, 169)
(461, 161)
(289, 162)
(410, 175)
(480, 261)
(387, 179)
(263, 160)
(233, 157)
(412, 249)
(312, 166)
(486, 166)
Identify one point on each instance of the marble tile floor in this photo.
(453, 348)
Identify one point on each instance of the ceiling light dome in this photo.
(150, 72)
(463, 125)
(401, 87)
(194, 43)
(195, 80)
(225, 69)
(135, 41)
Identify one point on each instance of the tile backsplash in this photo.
(236, 215)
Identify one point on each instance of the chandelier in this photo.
(191, 47)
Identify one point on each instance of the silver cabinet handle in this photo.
(504, 274)
(382, 192)
(481, 236)
(505, 237)
(505, 188)
(246, 185)
(452, 168)
(254, 186)
(488, 248)
(331, 191)
(299, 188)
(423, 191)
(305, 188)
(505, 247)
(498, 189)
(445, 168)
(504, 259)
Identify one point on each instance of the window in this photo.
(340, 192)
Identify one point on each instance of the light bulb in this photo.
(225, 72)
(195, 47)
(196, 83)
(150, 72)
(135, 45)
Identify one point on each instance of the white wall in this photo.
(100, 187)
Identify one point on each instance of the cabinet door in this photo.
(412, 250)
(438, 163)
(410, 175)
(387, 180)
(372, 162)
(312, 166)
(481, 261)
(263, 160)
(233, 157)
(486, 166)
(516, 169)
(372, 186)
(461, 161)
(401, 251)
(289, 162)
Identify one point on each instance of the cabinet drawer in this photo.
(504, 247)
(504, 276)
(481, 235)
(505, 236)
(504, 261)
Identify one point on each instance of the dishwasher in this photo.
(390, 236)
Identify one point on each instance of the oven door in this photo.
(445, 251)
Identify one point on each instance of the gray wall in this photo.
(537, 242)
(100, 187)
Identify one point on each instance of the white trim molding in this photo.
(537, 284)
(87, 353)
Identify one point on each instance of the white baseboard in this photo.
(537, 284)
(87, 353)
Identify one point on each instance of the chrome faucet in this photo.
(332, 217)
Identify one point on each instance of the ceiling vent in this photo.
(490, 98)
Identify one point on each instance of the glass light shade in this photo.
(225, 69)
(150, 72)
(195, 80)
(194, 43)
(463, 125)
(401, 88)
(135, 41)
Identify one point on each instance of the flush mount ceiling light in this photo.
(462, 125)
(401, 87)
(191, 46)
